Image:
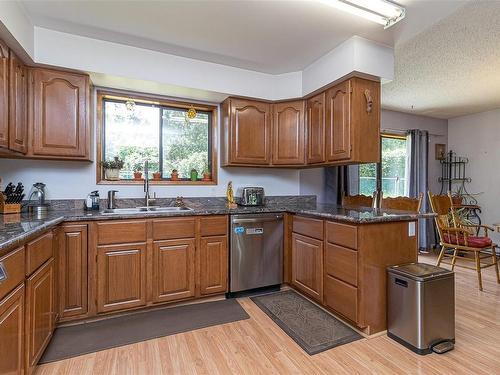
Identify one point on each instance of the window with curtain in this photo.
(394, 176)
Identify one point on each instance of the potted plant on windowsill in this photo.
(137, 171)
(207, 175)
(157, 176)
(112, 168)
(175, 175)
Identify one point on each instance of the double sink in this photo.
(141, 210)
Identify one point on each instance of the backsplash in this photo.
(70, 204)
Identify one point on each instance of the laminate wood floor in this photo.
(258, 346)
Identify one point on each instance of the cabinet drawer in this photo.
(213, 226)
(115, 232)
(341, 297)
(173, 228)
(12, 273)
(38, 252)
(342, 234)
(342, 263)
(308, 227)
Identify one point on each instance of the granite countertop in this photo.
(16, 229)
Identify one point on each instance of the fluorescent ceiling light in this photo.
(383, 12)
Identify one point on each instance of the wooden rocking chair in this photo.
(459, 237)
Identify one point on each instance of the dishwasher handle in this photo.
(257, 220)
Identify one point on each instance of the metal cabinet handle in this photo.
(241, 221)
(3, 272)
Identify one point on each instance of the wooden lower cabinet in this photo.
(173, 270)
(12, 357)
(121, 277)
(40, 313)
(73, 267)
(341, 297)
(213, 265)
(307, 265)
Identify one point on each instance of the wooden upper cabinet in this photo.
(73, 267)
(12, 333)
(316, 129)
(39, 313)
(173, 270)
(338, 122)
(288, 133)
(18, 105)
(59, 115)
(4, 95)
(248, 131)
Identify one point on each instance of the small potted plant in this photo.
(174, 176)
(194, 174)
(112, 168)
(157, 176)
(207, 176)
(137, 171)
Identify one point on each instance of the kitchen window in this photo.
(176, 138)
(391, 175)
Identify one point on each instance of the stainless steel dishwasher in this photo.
(256, 256)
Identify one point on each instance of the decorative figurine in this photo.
(230, 195)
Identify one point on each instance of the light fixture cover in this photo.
(383, 12)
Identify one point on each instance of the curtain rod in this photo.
(405, 131)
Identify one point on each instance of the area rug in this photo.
(91, 337)
(311, 327)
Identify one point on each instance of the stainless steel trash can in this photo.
(421, 306)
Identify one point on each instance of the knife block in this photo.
(8, 208)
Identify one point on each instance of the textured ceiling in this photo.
(452, 68)
(267, 36)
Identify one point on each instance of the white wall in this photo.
(312, 181)
(477, 137)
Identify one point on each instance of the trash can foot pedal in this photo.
(442, 347)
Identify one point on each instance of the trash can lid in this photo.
(420, 271)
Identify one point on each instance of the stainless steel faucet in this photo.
(147, 199)
(111, 199)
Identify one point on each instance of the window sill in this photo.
(156, 182)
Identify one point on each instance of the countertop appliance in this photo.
(250, 196)
(256, 256)
(37, 204)
(421, 307)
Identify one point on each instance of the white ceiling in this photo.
(266, 36)
(452, 68)
(447, 52)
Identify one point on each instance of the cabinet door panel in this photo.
(341, 297)
(250, 132)
(316, 129)
(73, 266)
(39, 312)
(60, 119)
(121, 277)
(338, 122)
(307, 265)
(288, 133)
(213, 265)
(4, 95)
(18, 105)
(173, 270)
(12, 333)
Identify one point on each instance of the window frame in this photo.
(378, 166)
(101, 95)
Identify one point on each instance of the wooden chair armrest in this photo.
(465, 232)
(486, 228)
